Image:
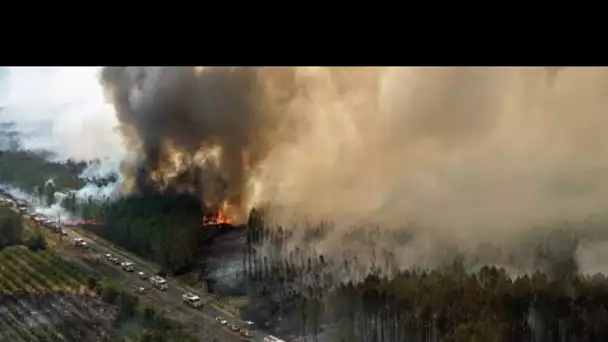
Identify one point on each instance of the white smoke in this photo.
(62, 110)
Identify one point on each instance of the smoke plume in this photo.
(198, 130)
(459, 154)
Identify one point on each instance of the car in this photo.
(221, 320)
(142, 290)
(234, 328)
(127, 266)
(142, 275)
(245, 333)
(108, 256)
(116, 261)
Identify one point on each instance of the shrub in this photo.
(36, 242)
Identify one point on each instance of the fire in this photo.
(218, 218)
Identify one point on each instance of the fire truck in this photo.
(192, 300)
(158, 283)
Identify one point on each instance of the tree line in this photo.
(166, 229)
(444, 304)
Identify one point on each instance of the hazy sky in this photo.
(60, 109)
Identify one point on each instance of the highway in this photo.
(209, 311)
(174, 289)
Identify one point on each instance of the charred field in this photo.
(55, 317)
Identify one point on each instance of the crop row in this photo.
(23, 271)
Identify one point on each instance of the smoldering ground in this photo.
(457, 156)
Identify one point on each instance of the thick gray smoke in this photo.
(458, 156)
(197, 130)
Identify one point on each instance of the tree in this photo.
(49, 193)
(128, 304)
(11, 227)
(149, 315)
(36, 242)
(93, 284)
(109, 292)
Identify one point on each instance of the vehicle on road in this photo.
(142, 290)
(158, 283)
(192, 300)
(79, 242)
(221, 320)
(142, 275)
(115, 261)
(127, 266)
(245, 333)
(270, 338)
(234, 328)
(109, 257)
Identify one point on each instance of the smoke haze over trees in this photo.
(405, 168)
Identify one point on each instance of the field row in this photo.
(23, 271)
(39, 300)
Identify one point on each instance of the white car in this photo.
(127, 266)
(221, 320)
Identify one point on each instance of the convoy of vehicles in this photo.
(156, 281)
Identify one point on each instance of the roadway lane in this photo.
(174, 288)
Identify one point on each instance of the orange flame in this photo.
(217, 218)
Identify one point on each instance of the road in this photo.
(174, 290)
(210, 309)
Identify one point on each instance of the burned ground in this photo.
(55, 317)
